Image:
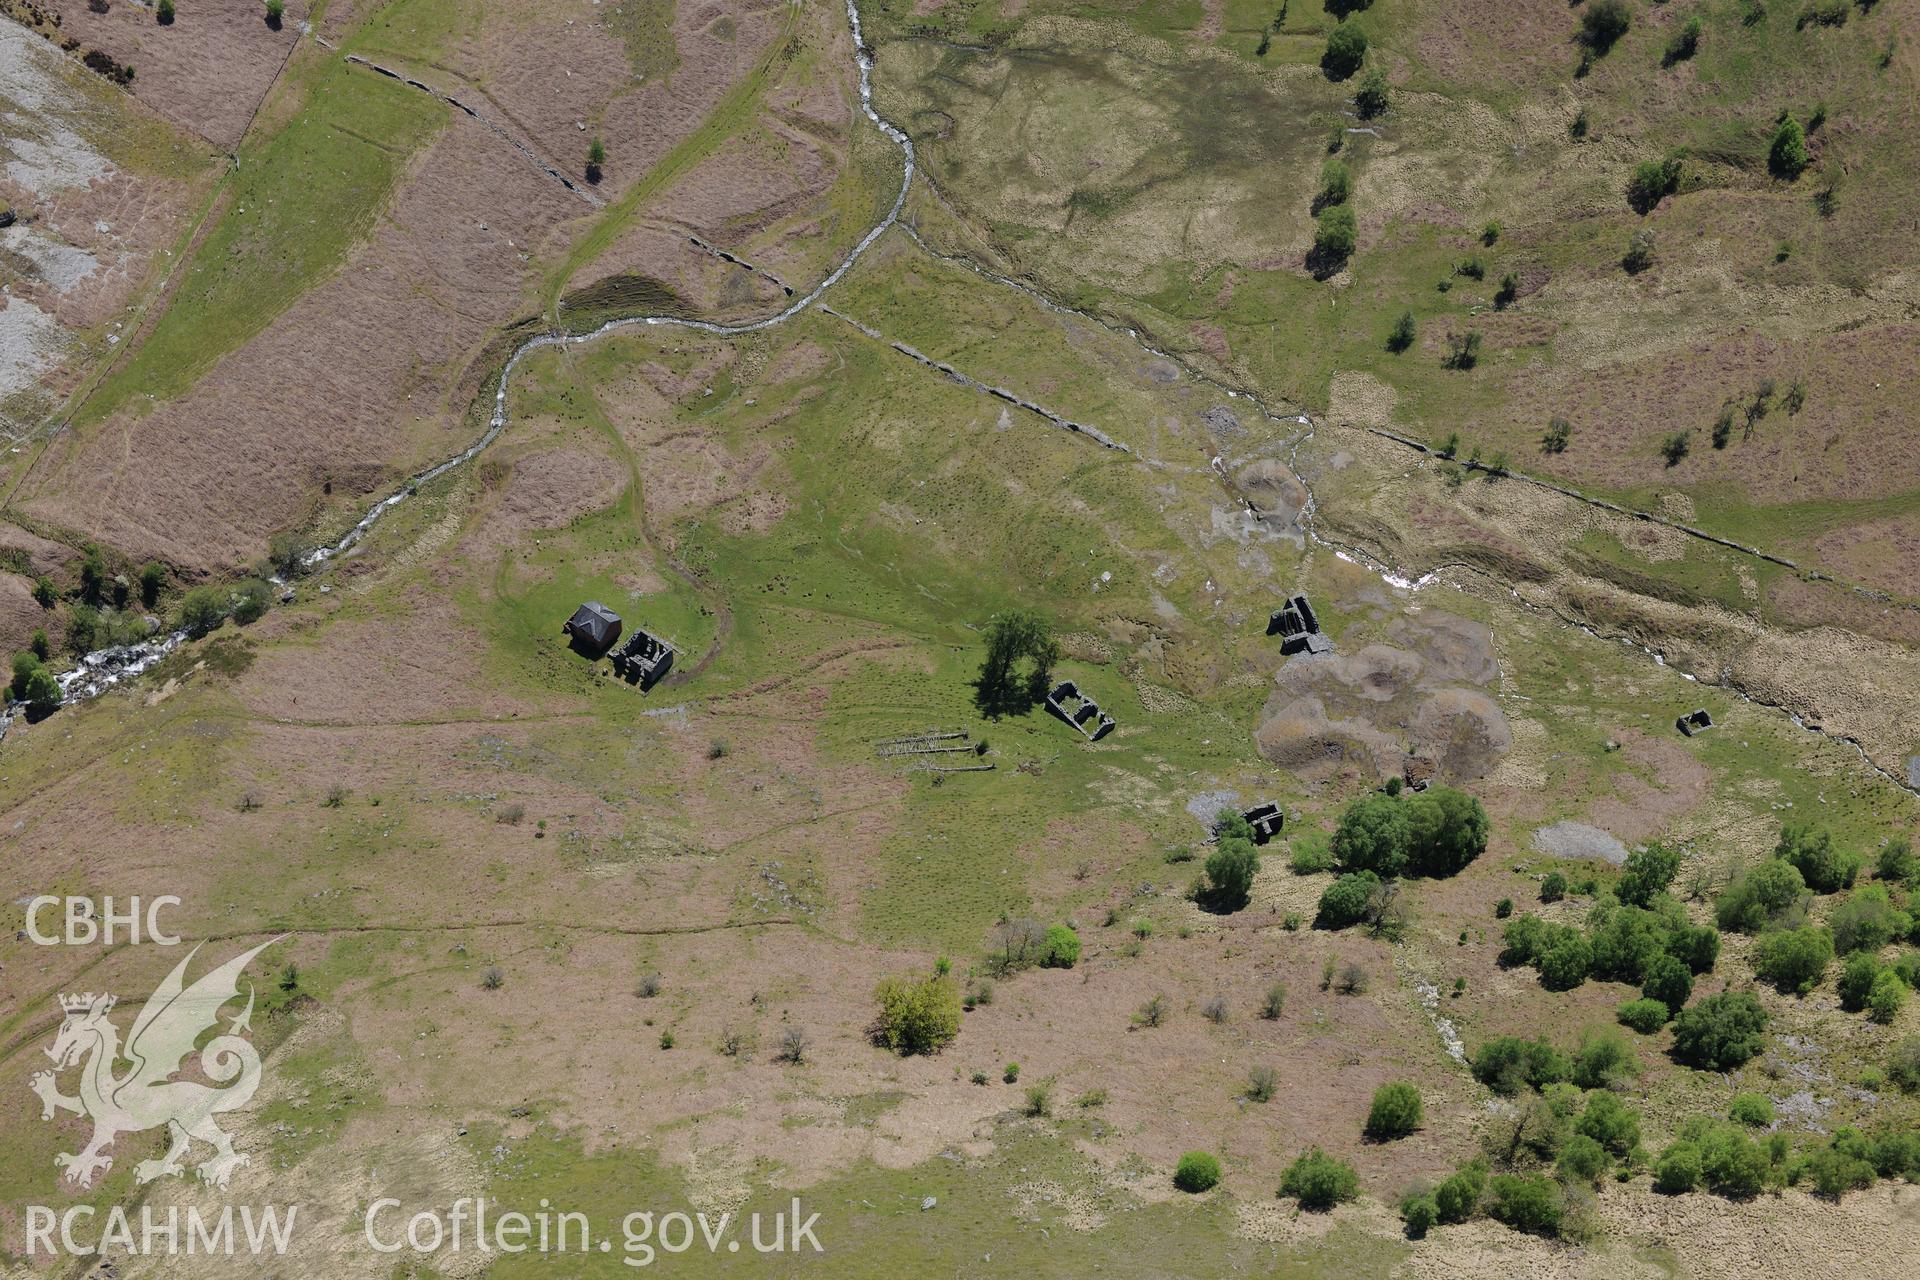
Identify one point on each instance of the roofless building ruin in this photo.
(1080, 711)
(1298, 628)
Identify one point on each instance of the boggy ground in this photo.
(411, 777)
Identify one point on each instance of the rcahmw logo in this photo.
(146, 1095)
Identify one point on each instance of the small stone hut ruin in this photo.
(644, 659)
(1080, 711)
(1298, 628)
(1694, 722)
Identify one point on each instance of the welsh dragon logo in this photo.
(147, 1096)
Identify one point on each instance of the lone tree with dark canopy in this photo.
(1014, 637)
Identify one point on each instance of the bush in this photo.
(1334, 236)
(1611, 1123)
(1887, 997)
(1896, 862)
(1644, 1015)
(1319, 1182)
(1373, 95)
(1582, 1160)
(1856, 980)
(1653, 181)
(1677, 1171)
(1867, 921)
(1345, 900)
(1566, 962)
(1787, 154)
(1559, 435)
(1647, 873)
(1553, 888)
(1753, 1110)
(201, 610)
(1396, 1112)
(1458, 1195)
(1420, 1213)
(1508, 1064)
(1794, 960)
(1527, 1202)
(1310, 857)
(1720, 1032)
(1346, 50)
(276, 13)
(1061, 949)
(1811, 852)
(1502, 909)
(1767, 894)
(24, 665)
(1903, 1065)
(1684, 43)
(1602, 23)
(1731, 1163)
(251, 602)
(1274, 1001)
(1262, 1084)
(1228, 880)
(1695, 945)
(1604, 1060)
(1675, 447)
(1196, 1172)
(1668, 981)
(916, 1015)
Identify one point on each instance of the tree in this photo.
(1061, 949)
(1344, 901)
(1373, 95)
(1731, 1162)
(1345, 8)
(1403, 333)
(916, 1015)
(1768, 893)
(1553, 887)
(201, 610)
(276, 13)
(1903, 1065)
(1794, 959)
(251, 601)
(596, 159)
(1013, 637)
(153, 579)
(1676, 446)
(1753, 1110)
(1602, 23)
(42, 693)
(1375, 833)
(24, 665)
(1526, 1202)
(1668, 981)
(1334, 236)
(1824, 868)
(1787, 154)
(1559, 435)
(1396, 1112)
(163, 13)
(1648, 871)
(1336, 184)
(1447, 829)
(1229, 875)
(1319, 1181)
(1720, 1032)
(1420, 1213)
(1463, 350)
(1346, 50)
